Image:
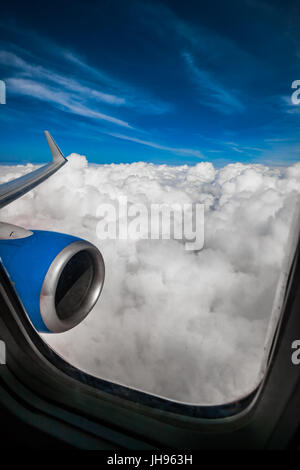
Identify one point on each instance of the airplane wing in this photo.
(57, 277)
(16, 188)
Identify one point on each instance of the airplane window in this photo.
(183, 170)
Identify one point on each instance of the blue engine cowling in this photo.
(57, 277)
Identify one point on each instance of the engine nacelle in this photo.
(57, 277)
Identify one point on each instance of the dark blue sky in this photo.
(164, 81)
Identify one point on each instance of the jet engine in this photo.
(57, 277)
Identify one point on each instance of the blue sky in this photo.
(160, 81)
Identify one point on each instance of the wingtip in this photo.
(57, 154)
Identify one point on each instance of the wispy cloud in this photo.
(178, 151)
(63, 99)
(78, 96)
(38, 72)
(137, 98)
(57, 89)
(206, 42)
(208, 48)
(210, 91)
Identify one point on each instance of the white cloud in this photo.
(147, 143)
(189, 326)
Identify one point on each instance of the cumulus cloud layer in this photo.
(188, 326)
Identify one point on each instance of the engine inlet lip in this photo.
(48, 291)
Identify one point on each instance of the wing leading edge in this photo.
(14, 189)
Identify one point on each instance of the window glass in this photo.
(188, 109)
